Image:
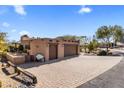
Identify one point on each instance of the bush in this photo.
(102, 53)
(21, 48)
(110, 53)
(3, 54)
(0, 84)
(25, 51)
(90, 47)
(81, 48)
(12, 49)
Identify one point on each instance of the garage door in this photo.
(53, 51)
(70, 50)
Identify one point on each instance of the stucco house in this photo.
(50, 48)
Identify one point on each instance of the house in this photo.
(50, 48)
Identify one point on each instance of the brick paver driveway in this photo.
(71, 72)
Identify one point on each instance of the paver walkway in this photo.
(71, 72)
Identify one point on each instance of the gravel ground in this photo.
(10, 79)
(71, 72)
(7, 82)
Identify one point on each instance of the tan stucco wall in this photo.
(42, 46)
(78, 49)
(16, 59)
(60, 50)
(47, 52)
(39, 46)
(25, 42)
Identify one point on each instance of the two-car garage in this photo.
(69, 50)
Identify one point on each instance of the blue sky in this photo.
(52, 21)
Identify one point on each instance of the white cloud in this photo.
(20, 10)
(5, 24)
(13, 30)
(24, 32)
(84, 9)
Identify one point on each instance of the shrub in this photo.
(110, 53)
(81, 48)
(0, 84)
(21, 48)
(3, 54)
(25, 51)
(102, 53)
(90, 47)
(12, 49)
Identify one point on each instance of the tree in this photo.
(90, 46)
(93, 45)
(3, 42)
(117, 33)
(15, 45)
(21, 48)
(104, 33)
(67, 37)
(83, 41)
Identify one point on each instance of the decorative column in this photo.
(60, 51)
(47, 53)
(78, 49)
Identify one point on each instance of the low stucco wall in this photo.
(16, 58)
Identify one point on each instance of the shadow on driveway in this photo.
(36, 64)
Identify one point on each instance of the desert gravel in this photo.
(7, 82)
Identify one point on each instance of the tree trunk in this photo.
(115, 43)
(107, 47)
(85, 50)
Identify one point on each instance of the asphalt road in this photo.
(113, 78)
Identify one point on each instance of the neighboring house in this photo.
(50, 48)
